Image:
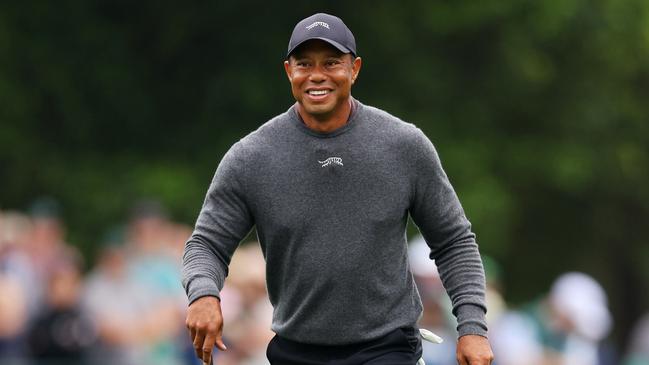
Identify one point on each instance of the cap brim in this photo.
(338, 46)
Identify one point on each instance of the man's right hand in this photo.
(205, 325)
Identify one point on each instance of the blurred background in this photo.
(115, 114)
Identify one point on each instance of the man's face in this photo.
(321, 77)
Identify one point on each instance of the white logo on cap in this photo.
(315, 24)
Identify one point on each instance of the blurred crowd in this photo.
(568, 325)
(128, 308)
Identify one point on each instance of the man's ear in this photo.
(356, 68)
(287, 68)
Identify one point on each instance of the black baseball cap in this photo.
(328, 28)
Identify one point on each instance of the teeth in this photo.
(318, 92)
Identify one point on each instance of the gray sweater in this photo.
(331, 213)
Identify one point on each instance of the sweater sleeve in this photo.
(224, 220)
(437, 212)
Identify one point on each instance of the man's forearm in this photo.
(462, 274)
(203, 273)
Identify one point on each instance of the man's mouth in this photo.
(318, 92)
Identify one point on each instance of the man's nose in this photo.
(317, 74)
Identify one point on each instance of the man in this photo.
(329, 185)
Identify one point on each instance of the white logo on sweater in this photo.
(315, 24)
(331, 161)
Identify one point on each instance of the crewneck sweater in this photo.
(330, 211)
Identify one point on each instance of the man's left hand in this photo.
(474, 350)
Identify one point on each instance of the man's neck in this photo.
(326, 123)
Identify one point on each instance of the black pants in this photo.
(399, 347)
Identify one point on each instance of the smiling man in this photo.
(321, 77)
(329, 185)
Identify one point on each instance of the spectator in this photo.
(570, 324)
(16, 275)
(156, 272)
(247, 310)
(513, 333)
(118, 308)
(514, 337)
(44, 247)
(62, 333)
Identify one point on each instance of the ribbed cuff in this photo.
(201, 287)
(471, 320)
